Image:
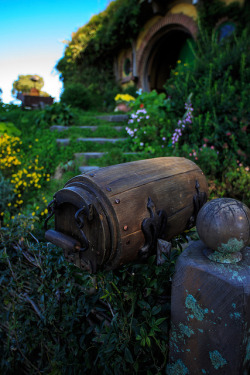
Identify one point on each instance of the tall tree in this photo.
(25, 83)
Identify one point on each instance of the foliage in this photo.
(9, 128)
(219, 80)
(105, 31)
(56, 319)
(24, 178)
(88, 56)
(234, 184)
(24, 83)
(6, 108)
(55, 114)
(6, 195)
(150, 126)
(208, 114)
(77, 95)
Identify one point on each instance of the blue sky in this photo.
(31, 36)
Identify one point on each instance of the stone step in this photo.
(66, 141)
(114, 118)
(96, 155)
(61, 128)
(89, 155)
(88, 168)
(63, 142)
(101, 140)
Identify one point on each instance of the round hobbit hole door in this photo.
(166, 51)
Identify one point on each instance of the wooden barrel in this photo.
(115, 215)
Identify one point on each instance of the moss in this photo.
(198, 312)
(217, 359)
(177, 368)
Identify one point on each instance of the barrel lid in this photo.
(78, 214)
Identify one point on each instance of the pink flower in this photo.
(212, 147)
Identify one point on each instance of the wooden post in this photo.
(210, 315)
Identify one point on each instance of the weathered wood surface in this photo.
(120, 195)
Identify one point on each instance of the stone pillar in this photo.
(210, 313)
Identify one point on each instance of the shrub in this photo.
(9, 128)
(25, 178)
(219, 81)
(150, 125)
(77, 95)
(56, 114)
(6, 196)
(56, 319)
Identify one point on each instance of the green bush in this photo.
(58, 319)
(150, 123)
(77, 95)
(219, 80)
(56, 114)
(9, 128)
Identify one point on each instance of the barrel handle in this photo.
(51, 211)
(88, 211)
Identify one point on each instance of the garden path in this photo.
(96, 141)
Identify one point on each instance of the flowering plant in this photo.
(186, 120)
(24, 179)
(152, 126)
(121, 98)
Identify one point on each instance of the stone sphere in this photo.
(223, 224)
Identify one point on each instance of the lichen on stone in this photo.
(177, 368)
(186, 330)
(217, 359)
(192, 304)
(232, 246)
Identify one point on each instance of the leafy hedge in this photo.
(88, 57)
(55, 319)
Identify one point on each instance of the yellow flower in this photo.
(46, 211)
(124, 98)
(179, 61)
(33, 213)
(9, 204)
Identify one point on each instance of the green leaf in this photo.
(128, 356)
(156, 310)
(148, 341)
(159, 321)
